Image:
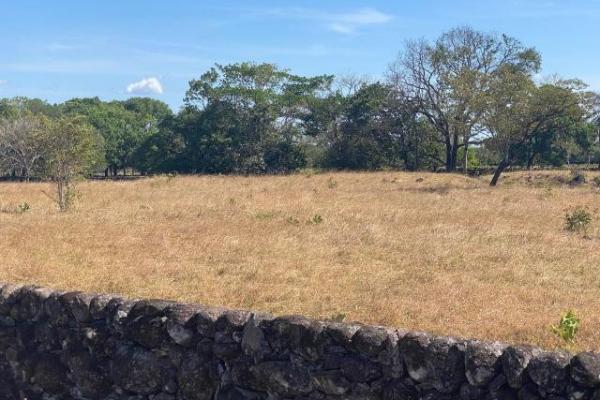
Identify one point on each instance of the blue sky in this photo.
(113, 49)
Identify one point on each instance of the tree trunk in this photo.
(499, 169)
(466, 171)
(451, 153)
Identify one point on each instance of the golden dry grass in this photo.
(447, 254)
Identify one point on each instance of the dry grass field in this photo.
(442, 253)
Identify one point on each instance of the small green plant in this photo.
(23, 207)
(596, 181)
(264, 215)
(293, 221)
(315, 220)
(578, 219)
(331, 183)
(567, 327)
(19, 209)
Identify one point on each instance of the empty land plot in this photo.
(442, 253)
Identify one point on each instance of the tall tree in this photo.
(448, 80)
(21, 146)
(245, 117)
(519, 111)
(72, 150)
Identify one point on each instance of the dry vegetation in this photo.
(444, 253)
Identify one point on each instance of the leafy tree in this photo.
(241, 116)
(448, 80)
(72, 150)
(123, 130)
(519, 112)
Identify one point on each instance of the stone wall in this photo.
(82, 346)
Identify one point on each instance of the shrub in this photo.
(331, 183)
(567, 327)
(577, 177)
(315, 220)
(19, 209)
(596, 181)
(23, 207)
(578, 220)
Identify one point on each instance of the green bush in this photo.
(578, 220)
(567, 327)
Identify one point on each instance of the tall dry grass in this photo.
(445, 254)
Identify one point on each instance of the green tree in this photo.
(519, 112)
(448, 80)
(247, 117)
(72, 150)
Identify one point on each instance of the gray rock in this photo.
(549, 371)
(137, 370)
(413, 350)
(445, 364)
(585, 369)
(194, 377)
(330, 382)
(514, 363)
(482, 361)
(282, 378)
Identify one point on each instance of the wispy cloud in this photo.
(3, 82)
(145, 86)
(58, 46)
(343, 22)
(351, 22)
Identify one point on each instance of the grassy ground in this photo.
(442, 253)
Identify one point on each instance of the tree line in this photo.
(466, 100)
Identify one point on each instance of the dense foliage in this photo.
(466, 100)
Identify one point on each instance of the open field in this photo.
(445, 254)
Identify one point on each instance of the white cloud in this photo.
(343, 22)
(3, 82)
(145, 86)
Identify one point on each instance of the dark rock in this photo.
(254, 342)
(90, 381)
(360, 369)
(146, 322)
(400, 390)
(370, 340)
(195, 381)
(445, 364)
(470, 392)
(340, 333)
(585, 369)
(8, 297)
(50, 374)
(98, 306)
(179, 325)
(331, 383)
(514, 363)
(236, 393)
(482, 361)
(576, 392)
(549, 371)
(413, 350)
(29, 303)
(137, 370)
(78, 305)
(282, 378)
(297, 334)
(528, 392)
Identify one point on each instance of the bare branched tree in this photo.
(21, 148)
(448, 80)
